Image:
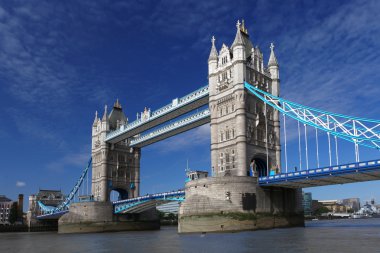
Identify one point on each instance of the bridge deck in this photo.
(52, 216)
(340, 174)
(140, 204)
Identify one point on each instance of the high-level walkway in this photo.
(178, 107)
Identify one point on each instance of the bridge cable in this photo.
(336, 147)
(328, 137)
(299, 145)
(307, 156)
(356, 142)
(87, 184)
(266, 137)
(82, 188)
(286, 153)
(316, 138)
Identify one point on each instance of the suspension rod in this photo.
(299, 145)
(316, 138)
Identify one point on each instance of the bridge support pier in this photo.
(221, 204)
(92, 217)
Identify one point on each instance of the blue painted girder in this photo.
(339, 174)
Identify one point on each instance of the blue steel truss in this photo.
(66, 203)
(176, 104)
(170, 127)
(123, 205)
(361, 131)
(313, 175)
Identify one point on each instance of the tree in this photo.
(321, 210)
(13, 214)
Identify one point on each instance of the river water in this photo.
(361, 235)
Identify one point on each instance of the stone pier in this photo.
(90, 217)
(226, 204)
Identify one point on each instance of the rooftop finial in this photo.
(272, 57)
(117, 104)
(238, 24)
(242, 27)
(271, 46)
(213, 53)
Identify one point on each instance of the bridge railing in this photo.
(344, 168)
(185, 121)
(176, 103)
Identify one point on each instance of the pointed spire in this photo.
(213, 52)
(243, 28)
(272, 58)
(238, 38)
(96, 118)
(105, 113)
(117, 104)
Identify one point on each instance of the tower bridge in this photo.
(249, 188)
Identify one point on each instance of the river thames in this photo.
(361, 235)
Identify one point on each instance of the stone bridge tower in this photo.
(245, 134)
(114, 167)
(243, 129)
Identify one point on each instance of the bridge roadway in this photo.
(166, 113)
(133, 205)
(339, 174)
(143, 203)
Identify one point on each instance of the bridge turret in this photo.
(273, 68)
(95, 124)
(213, 57)
(105, 120)
(238, 46)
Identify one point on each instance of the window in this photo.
(227, 134)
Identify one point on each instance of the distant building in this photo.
(5, 209)
(334, 206)
(307, 203)
(352, 204)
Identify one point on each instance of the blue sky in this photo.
(62, 60)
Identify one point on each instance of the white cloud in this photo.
(20, 184)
